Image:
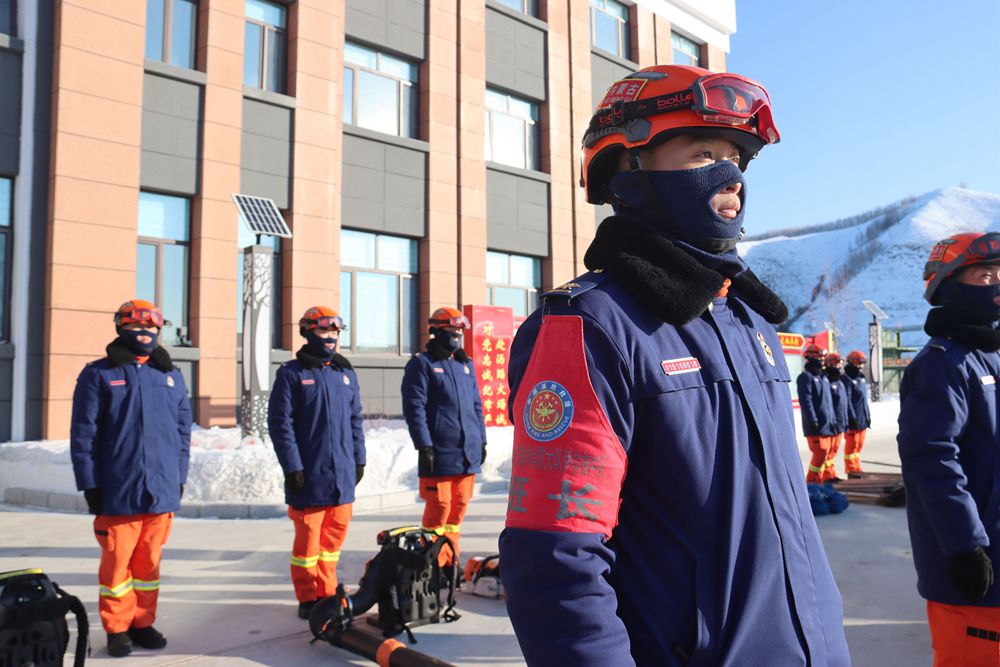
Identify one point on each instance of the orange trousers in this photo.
(129, 575)
(830, 467)
(853, 442)
(964, 636)
(819, 445)
(447, 498)
(319, 534)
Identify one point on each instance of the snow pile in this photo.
(228, 468)
(804, 269)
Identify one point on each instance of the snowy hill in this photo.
(824, 275)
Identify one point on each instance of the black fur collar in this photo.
(948, 323)
(312, 361)
(120, 355)
(439, 352)
(668, 281)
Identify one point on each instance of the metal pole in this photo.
(257, 261)
(875, 357)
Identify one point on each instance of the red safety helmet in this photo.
(956, 252)
(138, 311)
(448, 317)
(321, 317)
(856, 358)
(657, 103)
(831, 360)
(813, 351)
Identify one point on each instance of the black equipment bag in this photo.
(33, 629)
(412, 581)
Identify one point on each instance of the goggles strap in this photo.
(621, 112)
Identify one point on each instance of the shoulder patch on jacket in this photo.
(577, 286)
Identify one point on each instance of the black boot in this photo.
(148, 637)
(119, 644)
(305, 608)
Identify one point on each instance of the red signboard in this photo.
(488, 345)
(792, 342)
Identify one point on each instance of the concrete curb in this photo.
(74, 502)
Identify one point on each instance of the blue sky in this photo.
(875, 100)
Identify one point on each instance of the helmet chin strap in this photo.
(711, 245)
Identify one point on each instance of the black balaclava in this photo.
(450, 341)
(814, 366)
(679, 205)
(974, 301)
(317, 346)
(852, 371)
(131, 339)
(833, 372)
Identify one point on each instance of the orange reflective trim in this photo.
(385, 650)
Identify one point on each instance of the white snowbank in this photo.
(228, 468)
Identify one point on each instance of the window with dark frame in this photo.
(378, 293)
(265, 46)
(380, 91)
(529, 7)
(6, 237)
(163, 260)
(513, 281)
(8, 14)
(511, 131)
(609, 27)
(686, 51)
(171, 31)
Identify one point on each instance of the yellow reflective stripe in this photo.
(397, 531)
(329, 556)
(813, 468)
(452, 527)
(304, 561)
(141, 585)
(118, 591)
(436, 531)
(17, 573)
(852, 456)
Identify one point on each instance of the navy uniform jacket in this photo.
(949, 445)
(131, 432)
(816, 404)
(657, 513)
(315, 424)
(841, 405)
(857, 389)
(443, 410)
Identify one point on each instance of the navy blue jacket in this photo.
(860, 416)
(816, 404)
(841, 405)
(131, 432)
(657, 513)
(443, 410)
(949, 445)
(315, 424)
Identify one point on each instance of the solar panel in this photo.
(262, 216)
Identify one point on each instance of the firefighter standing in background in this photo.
(657, 514)
(948, 444)
(130, 442)
(861, 417)
(314, 419)
(444, 414)
(816, 409)
(832, 365)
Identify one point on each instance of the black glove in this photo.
(182, 490)
(483, 460)
(852, 424)
(425, 461)
(94, 498)
(295, 482)
(971, 573)
(359, 472)
(813, 426)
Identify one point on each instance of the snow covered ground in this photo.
(226, 468)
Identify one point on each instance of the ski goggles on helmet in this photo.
(727, 99)
(984, 249)
(326, 322)
(147, 316)
(456, 321)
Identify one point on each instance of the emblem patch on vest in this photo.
(678, 366)
(548, 412)
(767, 348)
(988, 379)
(347, 380)
(170, 381)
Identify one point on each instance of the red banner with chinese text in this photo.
(488, 344)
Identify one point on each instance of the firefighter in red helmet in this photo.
(860, 417)
(949, 428)
(444, 414)
(833, 369)
(816, 409)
